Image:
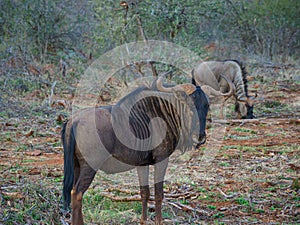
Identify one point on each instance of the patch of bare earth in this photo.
(253, 177)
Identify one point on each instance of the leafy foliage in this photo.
(37, 28)
(49, 28)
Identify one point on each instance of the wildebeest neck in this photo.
(151, 118)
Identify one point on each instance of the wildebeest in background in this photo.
(91, 140)
(212, 73)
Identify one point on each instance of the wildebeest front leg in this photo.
(222, 109)
(159, 174)
(143, 173)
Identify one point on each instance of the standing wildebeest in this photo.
(156, 121)
(210, 73)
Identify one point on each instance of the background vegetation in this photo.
(43, 41)
(36, 33)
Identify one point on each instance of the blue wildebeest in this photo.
(212, 73)
(155, 121)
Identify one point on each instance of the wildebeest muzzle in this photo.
(199, 140)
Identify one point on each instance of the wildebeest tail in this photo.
(69, 143)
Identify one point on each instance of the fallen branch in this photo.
(126, 191)
(188, 208)
(120, 198)
(225, 195)
(174, 205)
(241, 121)
(276, 121)
(134, 196)
(186, 195)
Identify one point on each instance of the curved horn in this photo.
(187, 88)
(231, 85)
(211, 91)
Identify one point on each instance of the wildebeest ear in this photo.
(193, 78)
(194, 82)
(181, 96)
(184, 98)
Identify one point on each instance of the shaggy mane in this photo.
(244, 74)
(142, 107)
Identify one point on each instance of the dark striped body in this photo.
(144, 128)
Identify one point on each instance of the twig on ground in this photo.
(126, 191)
(185, 195)
(188, 208)
(123, 198)
(241, 121)
(63, 222)
(227, 196)
(134, 195)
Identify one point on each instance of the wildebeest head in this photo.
(195, 96)
(201, 103)
(244, 107)
(245, 102)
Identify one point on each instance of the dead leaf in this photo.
(34, 171)
(256, 86)
(296, 184)
(62, 103)
(54, 174)
(294, 167)
(229, 182)
(30, 133)
(297, 212)
(13, 194)
(250, 78)
(50, 140)
(34, 153)
(8, 124)
(60, 118)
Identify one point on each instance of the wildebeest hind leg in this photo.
(83, 178)
(222, 110)
(143, 173)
